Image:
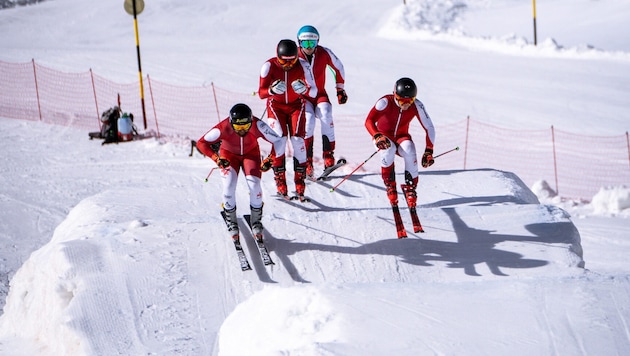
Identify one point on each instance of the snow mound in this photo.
(282, 320)
(611, 200)
(131, 268)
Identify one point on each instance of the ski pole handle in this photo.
(443, 153)
(351, 173)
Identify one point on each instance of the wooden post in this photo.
(39, 105)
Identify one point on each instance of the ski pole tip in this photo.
(457, 148)
(332, 190)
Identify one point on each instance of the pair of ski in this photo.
(400, 227)
(286, 198)
(328, 171)
(262, 249)
(322, 177)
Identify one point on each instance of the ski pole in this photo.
(208, 176)
(443, 153)
(351, 173)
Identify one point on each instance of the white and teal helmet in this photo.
(308, 36)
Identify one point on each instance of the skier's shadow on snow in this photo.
(253, 254)
(473, 247)
(314, 205)
(458, 200)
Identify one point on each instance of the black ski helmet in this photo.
(240, 114)
(286, 49)
(405, 88)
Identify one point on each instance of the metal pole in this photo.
(135, 25)
(443, 153)
(351, 173)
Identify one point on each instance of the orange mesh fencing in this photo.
(576, 166)
(18, 94)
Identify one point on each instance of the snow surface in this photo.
(120, 249)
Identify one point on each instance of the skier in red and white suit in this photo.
(388, 123)
(285, 85)
(233, 145)
(315, 59)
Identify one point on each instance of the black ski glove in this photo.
(265, 165)
(427, 158)
(342, 98)
(222, 162)
(381, 141)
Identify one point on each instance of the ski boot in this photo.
(389, 178)
(392, 193)
(256, 223)
(308, 142)
(329, 159)
(300, 185)
(409, 190)
(281, 181)
(232, 223)
(328, 149)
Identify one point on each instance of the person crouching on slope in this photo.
(286, 85)
(233, 145)
(388, 123)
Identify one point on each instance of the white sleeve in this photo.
(425, 120)
(337, 67)
(212, 135)
(268, 133)
(310, 80)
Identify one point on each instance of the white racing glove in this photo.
(299, 86)
(278, 87)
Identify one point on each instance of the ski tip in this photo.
(341, 161)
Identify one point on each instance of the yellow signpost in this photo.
(135, 7)
(534, 8)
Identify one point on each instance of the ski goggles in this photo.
(287, 62)
(404, 101)
(242, 127)
(308, 43)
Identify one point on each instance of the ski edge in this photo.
(328, 171)
(262, 248)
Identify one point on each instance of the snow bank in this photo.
(282, 320)
(611, 200)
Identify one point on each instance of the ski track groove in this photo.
(620, 315)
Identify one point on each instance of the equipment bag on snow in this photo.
(109, 128)
(116, 127)
(125, 127)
